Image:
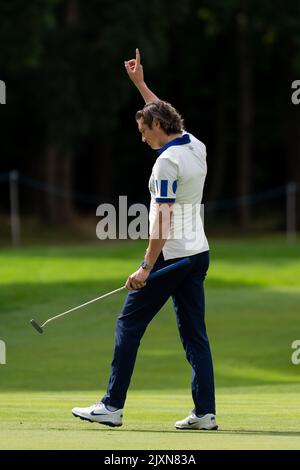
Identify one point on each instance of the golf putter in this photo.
(160, 272)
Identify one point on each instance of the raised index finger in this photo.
(137, 56)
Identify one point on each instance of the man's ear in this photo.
(156, 123)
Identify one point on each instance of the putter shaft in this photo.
(160, 272)
(39, 328)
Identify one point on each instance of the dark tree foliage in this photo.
(227, 66)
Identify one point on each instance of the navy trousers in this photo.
(185, 285)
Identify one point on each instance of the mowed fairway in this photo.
(253, 304)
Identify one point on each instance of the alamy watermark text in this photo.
(2, 352)
(296, 93)
(296, 354)
(2, 92)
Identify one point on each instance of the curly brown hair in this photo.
(170, 120)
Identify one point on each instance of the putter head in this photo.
(36, 326)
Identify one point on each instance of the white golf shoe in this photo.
(206, 422)
(98, 413)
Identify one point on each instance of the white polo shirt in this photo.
(178, 176)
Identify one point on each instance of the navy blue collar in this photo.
(184, 139)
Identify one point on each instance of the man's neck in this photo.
(170, 137)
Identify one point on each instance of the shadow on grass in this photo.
(83, 341)
(15, 296)
(234, 432)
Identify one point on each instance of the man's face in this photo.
(151, 136)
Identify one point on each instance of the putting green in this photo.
(265, 417)
(252, 298)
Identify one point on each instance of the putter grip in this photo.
(162, 271)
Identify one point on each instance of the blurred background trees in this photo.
(69, 118)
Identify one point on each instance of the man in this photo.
(176, 183)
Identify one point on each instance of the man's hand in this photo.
(137, 280)
(135, 69)
(136, 75)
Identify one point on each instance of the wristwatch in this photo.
(146, 265)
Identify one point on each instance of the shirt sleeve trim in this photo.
(164, 199)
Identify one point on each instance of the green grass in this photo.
(252, 299)
(252, 418)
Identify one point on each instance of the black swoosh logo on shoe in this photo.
(98, 414)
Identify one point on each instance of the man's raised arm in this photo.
(135, 72)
